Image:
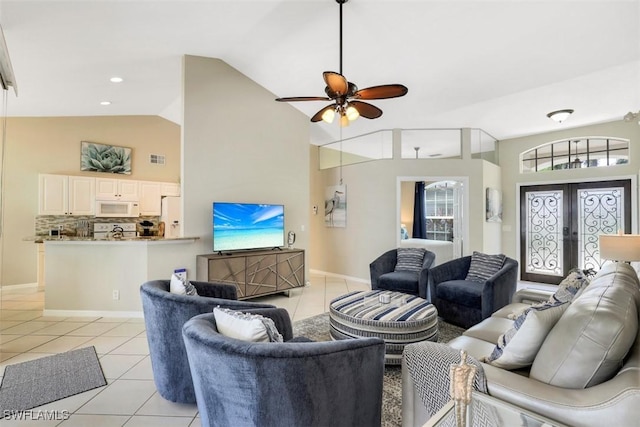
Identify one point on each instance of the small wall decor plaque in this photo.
(105, 158)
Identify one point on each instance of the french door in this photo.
(560, 224)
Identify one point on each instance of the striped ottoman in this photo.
(403, 320)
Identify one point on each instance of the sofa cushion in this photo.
(463, 292)
(518, 346)
(401, 281)
(484, 266)
(181, 287)
(409, 259)
(246, 326)
(588, 344)
(489, 329)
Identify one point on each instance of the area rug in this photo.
(37, 382)
(317, 329)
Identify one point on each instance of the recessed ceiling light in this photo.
(105, 103)
(116, 79)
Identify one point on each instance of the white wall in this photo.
(373, 211)
(238, 144)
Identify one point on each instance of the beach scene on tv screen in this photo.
(247, 226)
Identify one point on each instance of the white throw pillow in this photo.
(177, 286)
(246, 326)
(517, 348)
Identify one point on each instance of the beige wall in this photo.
(373, 211)
(52, 145)
(239, 145)
(510, 150)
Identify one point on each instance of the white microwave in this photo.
(115, 209)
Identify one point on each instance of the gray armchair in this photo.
(164, 315)
(238, 383)
(384, 276)
(465, 302)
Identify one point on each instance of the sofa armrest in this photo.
(529, 296)
(614, 402)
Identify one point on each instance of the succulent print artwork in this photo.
(105, 158)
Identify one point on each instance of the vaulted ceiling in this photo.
(496, 65)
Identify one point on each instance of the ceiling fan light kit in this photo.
(345, 95)
(560, 115)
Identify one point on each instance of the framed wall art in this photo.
(494, 205)
(105, 158)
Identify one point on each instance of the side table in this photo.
(487, 411)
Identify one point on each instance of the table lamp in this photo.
(619, 247)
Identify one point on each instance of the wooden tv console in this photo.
(254, 273)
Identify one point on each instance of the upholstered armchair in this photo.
(465, 302)
(387, 275)
(273, 384)
(164, 315)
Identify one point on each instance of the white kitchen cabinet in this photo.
(171, 189)
(117, 189)
(150, 198)
(66, 195)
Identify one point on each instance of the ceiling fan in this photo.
(346, 96)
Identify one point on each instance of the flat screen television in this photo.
(242, 226)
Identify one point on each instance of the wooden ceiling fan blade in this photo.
(382, 92)
(336, 82)
(366, 110)
(318, 116)
(303, 98)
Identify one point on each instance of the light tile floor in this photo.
(130, 398)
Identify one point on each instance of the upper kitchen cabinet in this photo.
(117, 189)
(170, 189)
(66, 195)
(150, 198)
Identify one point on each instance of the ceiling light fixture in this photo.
(116, 79)
(560, 115)
(105, 102)
(346, 95)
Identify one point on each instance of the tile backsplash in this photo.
(44, 223)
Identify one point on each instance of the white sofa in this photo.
(595, 342)
(443, 249)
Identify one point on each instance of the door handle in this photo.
(565, 231)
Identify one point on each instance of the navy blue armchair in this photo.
(164, 315)
(239, 383)
(465, 302)
(384, 276)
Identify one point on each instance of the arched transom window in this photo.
(574, 153)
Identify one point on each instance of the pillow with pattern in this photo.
(518, 347)
(181, 287)
(571, 286)
(246, 326)
(410, 259)
(484, 266)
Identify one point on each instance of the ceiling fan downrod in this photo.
(341, 2)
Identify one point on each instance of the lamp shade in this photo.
(619, 247)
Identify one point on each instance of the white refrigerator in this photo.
(172, 216)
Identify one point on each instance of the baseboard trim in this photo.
(92, 313)
(340, 276)
(20, 286)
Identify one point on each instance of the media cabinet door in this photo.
(290, 270)
(261, 275)
(230, 270)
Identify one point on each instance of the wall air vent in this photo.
(156, 159)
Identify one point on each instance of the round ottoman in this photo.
(399, 319)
